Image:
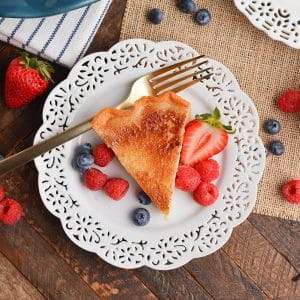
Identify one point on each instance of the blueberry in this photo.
(272, 126)
(141, 216)
(144, 198)
(1, 157)
(84, 161)
(156, 16)
(187, 6)
(85, 148)
(76, 167)
(203, 16)
(277, 148)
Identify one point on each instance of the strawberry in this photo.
(289, 102)
(26, 78)
(204, 137)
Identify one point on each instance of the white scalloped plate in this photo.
(279, 19)
(103, 226)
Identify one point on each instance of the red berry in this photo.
(206, 193)
(103, 155)
(291, 191)
(289, 102)
(10, 211)
(26, 78)
(187, 179)
(2, 193)
(201, 141)
(94, 179)
(208, 169)
(116, 188)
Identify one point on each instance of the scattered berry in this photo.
(144, 198)
(85, 148)
(291, 191)
(208, 170)
(156, 16)
(203, 16)
(2, 193)
(187, 178)
(116, 188)
(289, 102)
(10, 211)
(85, 161)
(76, 167)
(187, 6)
(103, 155)
(26, 78)
(272, 127)
(204, 137)
(94, 179)
(1, 157)
(206, 193)
(141, 216)
(277, 148)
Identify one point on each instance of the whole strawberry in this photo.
(26, 79)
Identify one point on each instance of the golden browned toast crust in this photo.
(147, 141)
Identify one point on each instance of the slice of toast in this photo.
(147, 141)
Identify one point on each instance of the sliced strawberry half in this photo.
(204, 137)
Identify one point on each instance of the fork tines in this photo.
(191, 70)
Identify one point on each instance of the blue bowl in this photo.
(38, 8)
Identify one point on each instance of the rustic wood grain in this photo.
(13, 285)
(262, 263)
(284, 235)
(222, 278)
(39, 263)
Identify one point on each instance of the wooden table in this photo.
(38, 261)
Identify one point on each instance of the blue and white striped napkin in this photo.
(62, 38)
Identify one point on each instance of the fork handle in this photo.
(25, 156)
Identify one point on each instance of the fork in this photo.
(152, 84)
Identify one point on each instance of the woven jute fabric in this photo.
(263, 67)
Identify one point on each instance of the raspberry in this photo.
(208, 169)
(2, 193)
(116, 188)
(206, 193)
(289, 102)
(187, 178)
(94, 179)
(102, 155)
(291, 191)
(10, 211)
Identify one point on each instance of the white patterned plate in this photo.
(280, 19)
(103, 226)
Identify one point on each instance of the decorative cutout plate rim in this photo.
(276, 19)
(168, 251)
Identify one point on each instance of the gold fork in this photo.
(155, 83)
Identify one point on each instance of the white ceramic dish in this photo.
(280, 19)
(103, 226)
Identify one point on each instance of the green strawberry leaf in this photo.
(217, 113)
(43, 67)
(214, 120)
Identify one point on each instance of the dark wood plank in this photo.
(261, 262)
(174, 284)
(105, 280)
(38, 262)
(13, 285)
(284, 235)
(222, 278)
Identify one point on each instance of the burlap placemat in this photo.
(264, 69)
